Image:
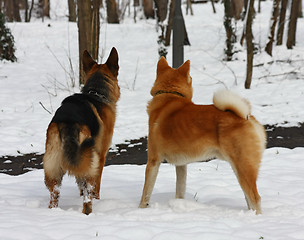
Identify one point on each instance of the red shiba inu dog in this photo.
(80, 133)
(182, 132)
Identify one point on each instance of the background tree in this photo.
(112, 11)
(249, 41)
(88, 30)
(273, 22)
(11, 10)
(280, 32)
(230, 30)
(7, 49)
(292, 26)
(72, 10)
(148, 8)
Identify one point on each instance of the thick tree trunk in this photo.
(72, 10)
(46, 8)
(12, 10)
(88, 30)
(280, 32)
(148, 8)
(274, 18)
(249, 41)
(112, 11)
(292, 27)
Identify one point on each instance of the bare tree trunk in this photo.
(88, 30)
(112, 11)
(280, 32)
(292, 27)
(189, 6)
(12, 10)
(249, 41)
(148, 8)
(168, 28)
(46, 8)
(230, 34)
(170, 23)
(16, 10)
(31, 10)
(72, 10)
(274, 18)
(237, 8)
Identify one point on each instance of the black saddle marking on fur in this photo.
(76, 109)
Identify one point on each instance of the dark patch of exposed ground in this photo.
(135, 152)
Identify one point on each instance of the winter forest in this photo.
(252, 47)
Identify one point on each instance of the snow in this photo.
(214, 207)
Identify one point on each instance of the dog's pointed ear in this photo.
(185, 68)
(112, 62)
(162, 65)
(87, 61)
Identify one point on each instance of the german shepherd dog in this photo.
(182, 132)
(80, 133)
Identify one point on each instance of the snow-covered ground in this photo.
(214, 207)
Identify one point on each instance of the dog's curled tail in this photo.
(74, 152)
(226, 100)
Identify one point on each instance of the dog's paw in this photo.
(143, 205)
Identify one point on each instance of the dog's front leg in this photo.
(98, 178)
(181, 176)
(150, 178)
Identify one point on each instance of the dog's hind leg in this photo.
(53, 184)
(247, 173)
(88, 189)
(150, 178)
(181, 177)
(53, 172)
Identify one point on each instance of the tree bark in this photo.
(170, 23)
(230, 34)
(292, 27)
(249, 41)
(274, 18)
(46, 8)
(88, 30)
(280, 32)
(112, 11)
(72, 10)
(12, 10)
(17, 17)
(148, 8)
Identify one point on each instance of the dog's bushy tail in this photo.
(226, 100)
(73, 150)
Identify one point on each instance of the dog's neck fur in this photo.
(171, 92)
(97, 88)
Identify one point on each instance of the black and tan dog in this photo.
(80, 133)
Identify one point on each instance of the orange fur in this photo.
(182, 132)
(89, 169)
